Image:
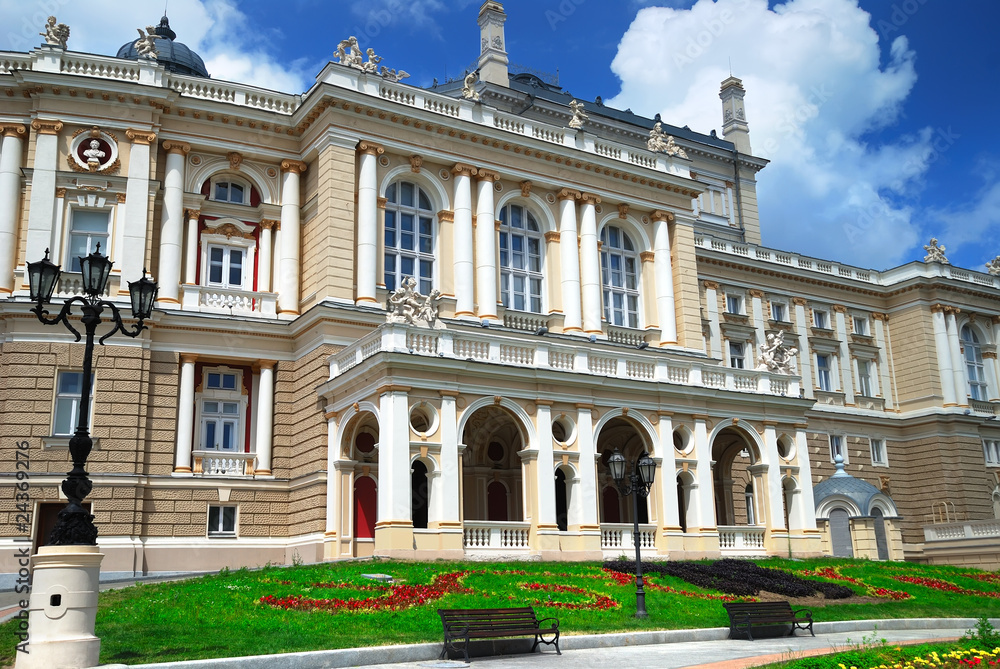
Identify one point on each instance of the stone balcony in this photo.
(209, 299)
(561, 354)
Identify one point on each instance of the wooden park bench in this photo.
(470, 624)
(744, 615)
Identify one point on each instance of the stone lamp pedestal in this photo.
(62, 609)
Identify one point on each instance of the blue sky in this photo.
(875, 117)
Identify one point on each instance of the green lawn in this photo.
(222, 615)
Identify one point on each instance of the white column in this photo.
(775, 495)
(291, 233)
(172, 222)
(131, 257)
(590, 264)
(807, 505)
(185, 416)
(805, 358)
(712, 309)
(333, 477)
(588, 464)
(880, 321)
(668, 472)
(55, 244)
(664, 278)
(844, 366)
(757, 307)
(705, 499)
(265, 256)
(943, 356)
(11, 148)
(393, 459)
(451, 474)
(276, 261)
(41, 209)
(265, 417)
(367, 220)
(464, 269)
(486, 246)
(957, 360)
(191, 246)
(545, 488)
(569, 256)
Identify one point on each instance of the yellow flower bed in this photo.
(956, 659)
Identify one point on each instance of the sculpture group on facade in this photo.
(469, 91)
(349, 53)
(661, 142)
(579, 116)
(56, 34)
(775, 356)
(145, 46)
(407, 305)
(993, 266)
(935, 253)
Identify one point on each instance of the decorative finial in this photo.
(838, 463)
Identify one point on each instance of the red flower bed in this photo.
(944, 586)
(988, 577)
(629, 579)
(600, 603)
(870, 590)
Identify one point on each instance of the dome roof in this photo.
(842, 484)
(175, 56)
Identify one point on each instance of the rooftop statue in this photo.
(775, 356)
(392, 75)
(349, 53)
(469, 91)
(145, 46)
(55, 34)
(406, 305)
(993, 266)
(371, 65)
(661, 142)
(579, 116)
(935, 253)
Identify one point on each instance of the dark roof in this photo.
(175, 56)
(844, 485)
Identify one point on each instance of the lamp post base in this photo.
(62, 609)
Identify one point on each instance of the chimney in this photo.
(734, 118)
(492, 49)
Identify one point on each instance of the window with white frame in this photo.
(230, 191)
(222, 409)
(69, 391)
(879, 457)
(226, 266)
(749, 497)
(821, 319)
(409, 236)
(520, 259)
(88, 229)
(779, 312)
(865, 368)
(737, 355)
(974, 364)
(861, 326)
(228, 247)
(824, 376)
(734, 303)
(620, 277)
(837, 447)
(991, 449)
(221, 521)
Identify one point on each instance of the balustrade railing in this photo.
(222, 463)
(619, 538)
(495, 536)
(228, 301)
(969, 529)
(741, 540)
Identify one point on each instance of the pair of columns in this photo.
(264, 411)
(172, 234)
(950, 359)
(11, 152)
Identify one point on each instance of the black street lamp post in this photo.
(75, 525)
(638, 484)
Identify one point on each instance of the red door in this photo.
(365, 505)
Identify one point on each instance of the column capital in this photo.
(270, 224)
(464, 170)
(446, 216)
(992, 355)
(120, 198)
(996, 320)
(754, 292)
(448, 393)
(938, 308)
(552, 236)
(293, 166)
(543, 403)
(646, 256)
(496, 224)
(663, 413)
(13, 129)
(380, 202)
(487, 175)
(192, 214)
(879, 316)
(711, 285)
(569, 194)
(952, 311)
(590, 198)
(266, 364)
(392, 388)
(799, 301)
(840, 308)
(60, 192)
(173, 146)
(140, 136)
(46, 126)
(660, 215)
(370, 147)
(188, 358)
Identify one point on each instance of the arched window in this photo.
(409, 236)
(520, 260)
(751, 505)
(230, 191)
(419, 497)
(620, 277)
(974, 364)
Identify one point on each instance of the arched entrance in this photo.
(622, 434)
(359, 485)
(492, 477)
(737, 488)
(562, 500)
(881, 541)
(419, 494)
(840, 533)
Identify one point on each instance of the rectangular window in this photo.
(837, 448)
(991, 449)
(220, 422)
(823, 375)
(861, 326)
(222, 521)
(225, 267)
(69, 390)
(736, 355)
(821, 319)
(87, 230)
(778, 312)
(878, 452)
(734, 304)
(865, 378)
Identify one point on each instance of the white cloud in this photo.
(970, 224)
(216, 29)
(815, 92)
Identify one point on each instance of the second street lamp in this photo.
(637, 484)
